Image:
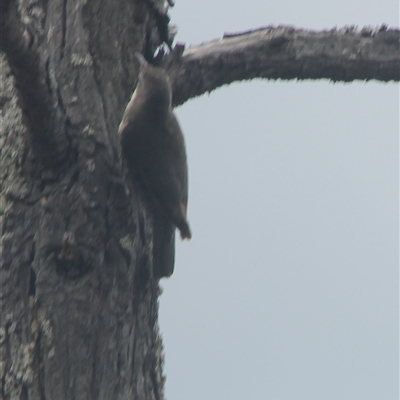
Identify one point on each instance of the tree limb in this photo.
(40, 114)
(345, 55)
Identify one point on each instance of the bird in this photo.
(153, 146)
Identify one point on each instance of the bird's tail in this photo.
(185, 230)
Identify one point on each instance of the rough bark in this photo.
(345, 55)
(78, 303)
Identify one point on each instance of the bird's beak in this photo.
(141, 59)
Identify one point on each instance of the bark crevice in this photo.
(20, 43)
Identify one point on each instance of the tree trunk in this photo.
(79, 307)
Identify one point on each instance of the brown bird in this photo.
(154, 148)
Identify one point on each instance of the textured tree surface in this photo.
(283, 52)
(79, 307)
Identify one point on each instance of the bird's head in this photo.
(154, 84)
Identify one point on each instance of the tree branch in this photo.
(40, 115)
(343, 55)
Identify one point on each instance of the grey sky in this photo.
(289, 288)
